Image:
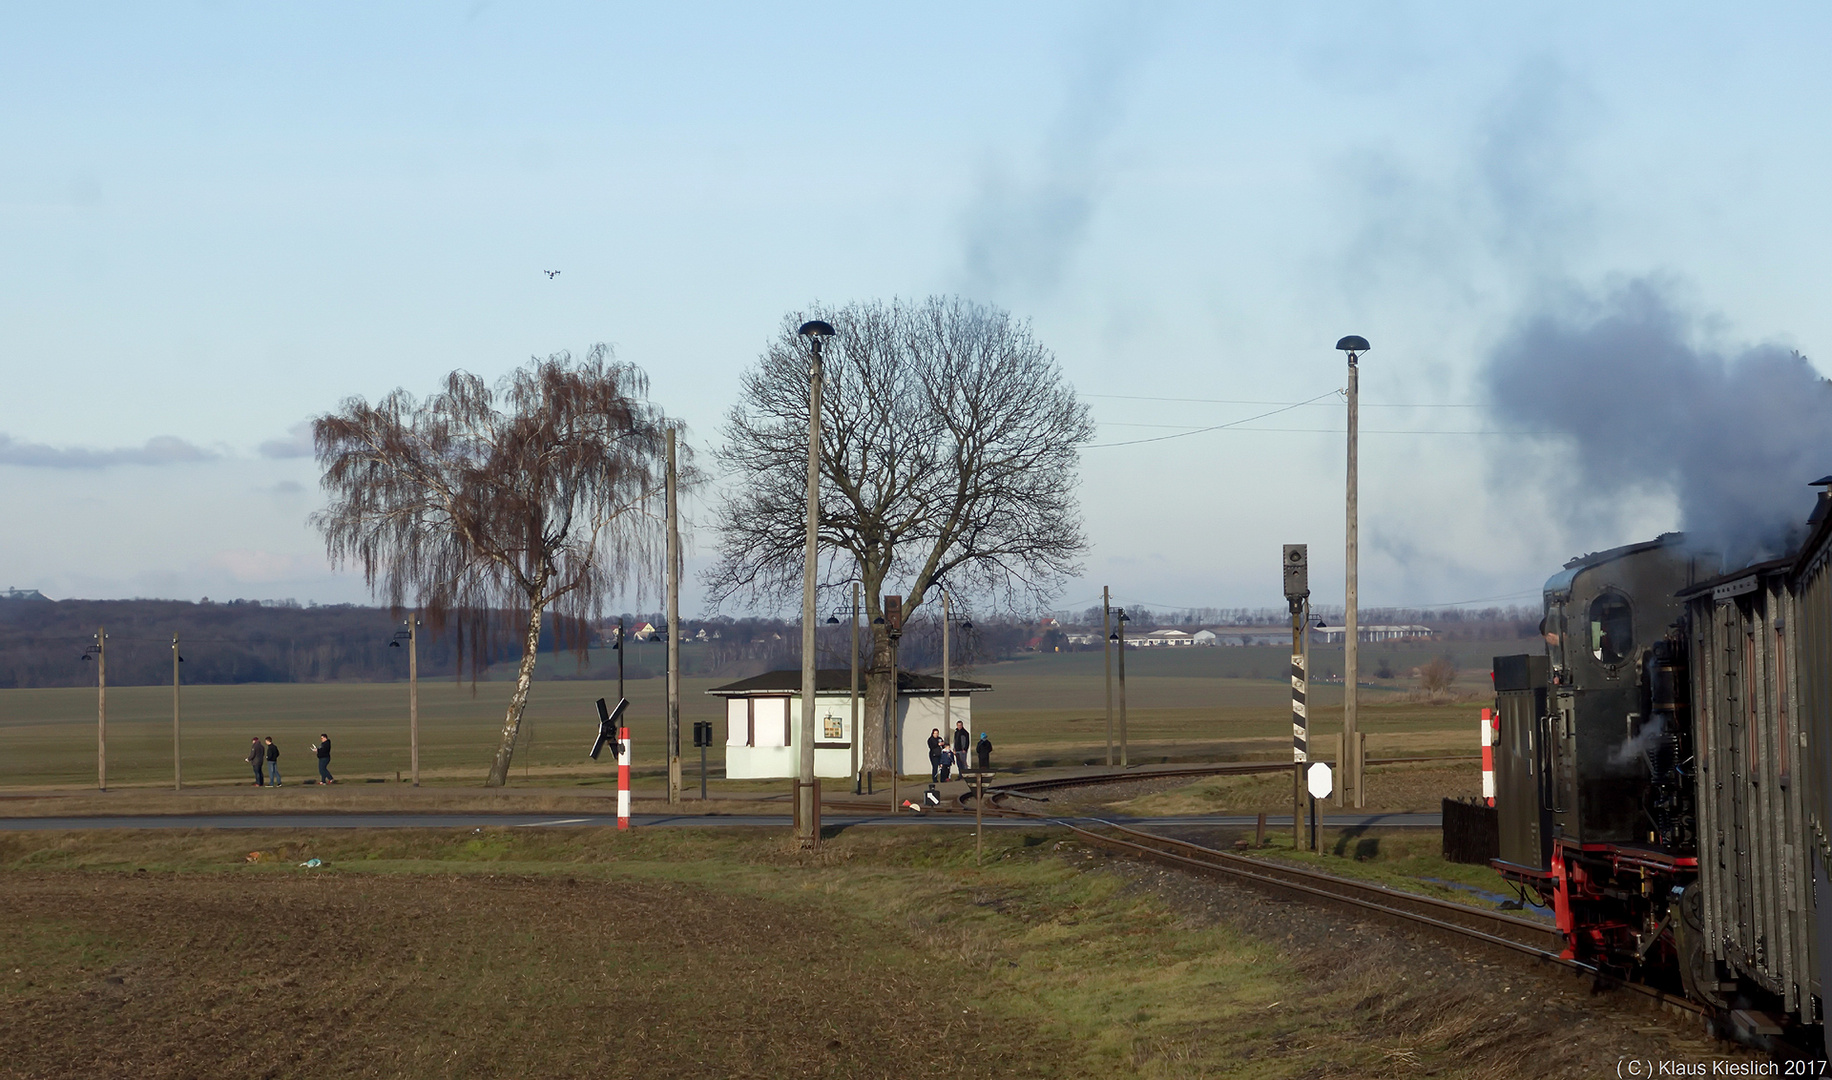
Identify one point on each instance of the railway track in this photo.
(1523, 938)
(1233, 768)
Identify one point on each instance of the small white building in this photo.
(1336, 634)
(1204, 637)
(1161, 638)
(763, 721)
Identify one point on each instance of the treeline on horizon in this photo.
(43, 642)
(1510, 623)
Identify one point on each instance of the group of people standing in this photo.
(945, 755)
(264, 755)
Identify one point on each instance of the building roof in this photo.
(839, 681)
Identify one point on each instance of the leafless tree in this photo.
(1436, 676)
(949, 454)
(520, 498)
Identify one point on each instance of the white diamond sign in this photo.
(1319, 777)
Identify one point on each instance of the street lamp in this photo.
(1118, 637)
(816, 332)
(412, 637)
(1353, 345)
(858, 779)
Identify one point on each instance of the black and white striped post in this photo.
(1297, 591)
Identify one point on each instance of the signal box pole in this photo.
(1297, 591)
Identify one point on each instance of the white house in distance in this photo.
(1336, 634)
(763, 721)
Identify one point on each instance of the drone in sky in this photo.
(551, 274)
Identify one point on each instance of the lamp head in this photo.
(966, 624)
(815, 328)
(833, 620)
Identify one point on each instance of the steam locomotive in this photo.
(1664, 775)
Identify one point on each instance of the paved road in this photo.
(693, 821)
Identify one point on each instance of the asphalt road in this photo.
(647, 821)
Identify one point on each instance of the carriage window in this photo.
(1611, 628)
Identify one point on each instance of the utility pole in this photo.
(1106, 660)
(101, 708)
(1297, 588)
(947, 686)
(858, 773)
(816, 332)
(1354, 346)
(413, 694)
(177, 765)
(1122, 620)
(892, 607)
(620, 651)
(674, 630)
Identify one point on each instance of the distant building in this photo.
(1335, 635)
(1204, 637)
(1161, 638)
(22, 594)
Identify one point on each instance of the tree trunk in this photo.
(874, 711)
(512, 723)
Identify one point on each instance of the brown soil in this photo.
(454, 976)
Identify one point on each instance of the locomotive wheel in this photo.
(1696, 971)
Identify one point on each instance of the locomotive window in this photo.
(1612, 628)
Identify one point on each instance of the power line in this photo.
(1246, 401)
(1322, 431)
(1217, 427)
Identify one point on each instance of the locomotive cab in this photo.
(1590, 766)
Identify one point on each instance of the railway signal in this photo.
(702, 738)
(1296, 571)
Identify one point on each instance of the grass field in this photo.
(670, 953)
(1187, 704)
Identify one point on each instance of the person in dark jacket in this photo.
(273, 762)
(962, 743)
(984, 749)
(935, 745)
(323, 749)
(258, 758)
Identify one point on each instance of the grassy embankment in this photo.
(660, 953)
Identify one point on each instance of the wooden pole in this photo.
(101, 708)
(1122, 651)
(413, 694)
(1106, 662)
(1351, 637)
(177, 763)
(979, 802)
(947, 700)
(804, 794)
(674, 629)
(858, 777)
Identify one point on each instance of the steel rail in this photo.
(1528, 939)
(1235, 768)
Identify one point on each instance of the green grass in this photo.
(1185, 704)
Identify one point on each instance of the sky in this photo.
(222, 220)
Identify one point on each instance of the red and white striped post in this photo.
(1488, 756)
(623, 779)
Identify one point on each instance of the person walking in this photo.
(935, 745)
(273, 762)
(258, 758)
(984, 749)
(323, 749)
(963, 742)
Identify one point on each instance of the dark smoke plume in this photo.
(1734, 438)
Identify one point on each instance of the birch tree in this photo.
(480, 502)
(949, 457)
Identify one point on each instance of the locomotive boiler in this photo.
(1662, 772)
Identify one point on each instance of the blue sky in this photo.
(220, 220)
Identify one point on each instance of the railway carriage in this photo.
(1663, 774)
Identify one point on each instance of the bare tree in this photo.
(520, 498)
(949, 454)
(1436, 676)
